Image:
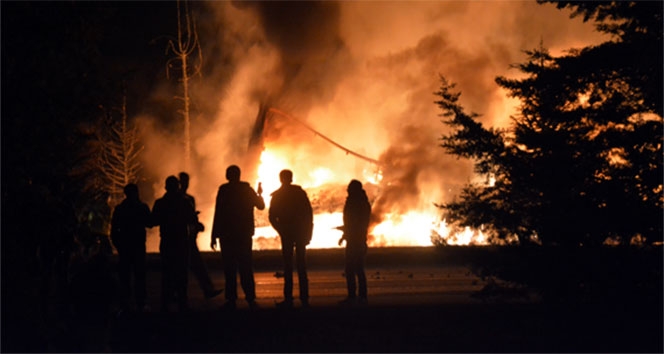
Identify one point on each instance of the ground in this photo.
(418, 302)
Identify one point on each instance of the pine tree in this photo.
(582, 160)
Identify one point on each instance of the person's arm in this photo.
(147, 220)
(259, 202)
(273, 213)
(192, 216)
(198, 225)
(309, 216)
(216, 223)
(155, 215)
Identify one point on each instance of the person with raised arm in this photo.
(233, 227)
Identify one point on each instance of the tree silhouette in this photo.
(186, 45)
(118, 157)
(582, 160)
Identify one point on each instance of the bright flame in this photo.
(268, 170)
(321, 176)
(325, 233)
(374, 177)
(410, 229)
(466, 237)
(413, 228)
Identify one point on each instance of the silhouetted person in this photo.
(357, 212)
(173, 214)
(195, 260)
(130, 218)
(233, 226)
(292, 216)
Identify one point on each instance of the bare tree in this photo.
(119, 151)
(187, 44)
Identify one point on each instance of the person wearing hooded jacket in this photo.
(356, 216)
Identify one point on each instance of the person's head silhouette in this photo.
(354, 187)
(233, 173)
(172, 184)
(131, 191)
(184, 181)
(286, 177)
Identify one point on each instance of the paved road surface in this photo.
(400, 285)
(420, 300)
(403, 276)
(417, 304)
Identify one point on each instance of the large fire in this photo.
(364, 75)
(414, 228)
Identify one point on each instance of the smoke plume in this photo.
(362, 73)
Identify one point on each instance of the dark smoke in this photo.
(313, 56)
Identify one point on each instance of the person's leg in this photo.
(350, 272)
(124, 273)
(301, 254)
(140, 276)
(229, 255)
(166, 275)
(287, 253)
(199, 269)
(361, 276)
(181, 274)
(246, 270)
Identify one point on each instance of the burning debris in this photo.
(328, 198)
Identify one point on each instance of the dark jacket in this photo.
(130, 218)
(173, 213)
(234, 210)
(291, 213)
(357, 213)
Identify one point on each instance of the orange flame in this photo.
(413, 228)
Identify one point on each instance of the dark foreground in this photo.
(396, 328)
(421, 300)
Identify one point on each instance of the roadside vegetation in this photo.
(576, 179)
